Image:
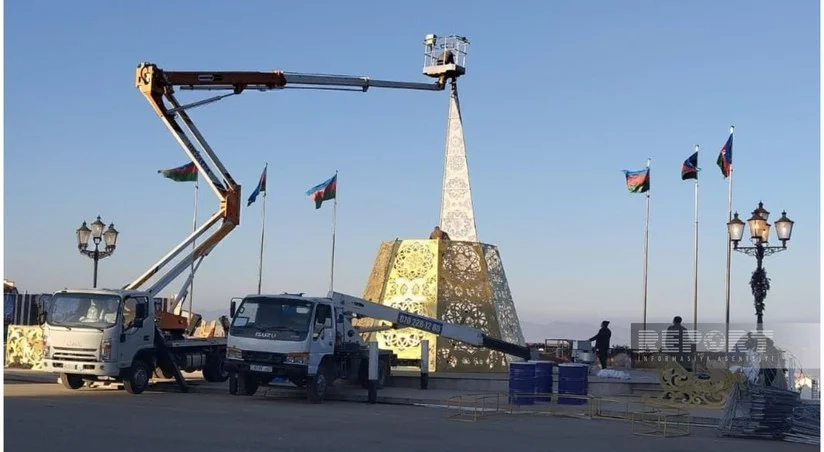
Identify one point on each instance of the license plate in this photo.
(257, 368)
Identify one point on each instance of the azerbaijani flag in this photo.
(185, 173)
(324, 191)
(725, 158)
(637, 181)
(261, 188)
(689, 169)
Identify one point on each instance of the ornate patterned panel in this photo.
(502, 297)
(380, 270)
(411, 286)
(377, 281)
(457, 211)
(456, 281)
(464, 298)
(681, 387)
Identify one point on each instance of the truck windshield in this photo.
(83, 310)
(283, 319)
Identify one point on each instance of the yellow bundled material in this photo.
(24, 346)
(205, 329)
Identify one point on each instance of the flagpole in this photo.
(194, 228)
(334, 226)
(729, 258)
(262, 232)
(646, 251)
(695, 257)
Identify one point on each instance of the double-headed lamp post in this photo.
(760, 235)
(109, 237)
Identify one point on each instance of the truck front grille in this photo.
(263, 357)
(74, 354)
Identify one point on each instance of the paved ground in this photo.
(46, 417)
(396, 396)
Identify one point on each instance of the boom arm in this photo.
(469, 335)
(158, 86)
(265, 81)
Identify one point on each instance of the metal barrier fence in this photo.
(646, 417)
(23, 310)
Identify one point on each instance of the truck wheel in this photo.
(71, 381)
(137, 379)
(384, 372)
(317, 385)
(214, 372)
(247, 384)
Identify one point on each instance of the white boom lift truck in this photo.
(311, 341)
(123, 334)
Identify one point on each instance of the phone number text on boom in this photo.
(419, 323)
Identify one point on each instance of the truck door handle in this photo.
(146, 338)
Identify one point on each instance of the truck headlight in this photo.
(46, 348)
(297, 358)
(106, 350)
(233, 353)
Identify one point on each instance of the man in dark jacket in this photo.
(438, 234)
(678, 343)
(602, 343)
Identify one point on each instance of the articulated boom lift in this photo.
(158, 86)
(121, 334)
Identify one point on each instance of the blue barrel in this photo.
(522, 383)
(543, 380)
(573, 378)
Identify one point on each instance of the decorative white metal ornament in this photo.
(457, 211)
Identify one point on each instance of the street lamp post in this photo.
(109, 238)
(760, 235)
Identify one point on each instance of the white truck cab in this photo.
(306, 340)
(311, 341)
(113, 335)
(97, 334)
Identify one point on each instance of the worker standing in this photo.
(678, 343)
(438, 234)
(602, 343)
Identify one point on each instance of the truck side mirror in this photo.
(232, 309)
(140, 311)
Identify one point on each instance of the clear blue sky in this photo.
(558, 99)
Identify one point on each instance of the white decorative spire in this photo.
(457, 211)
